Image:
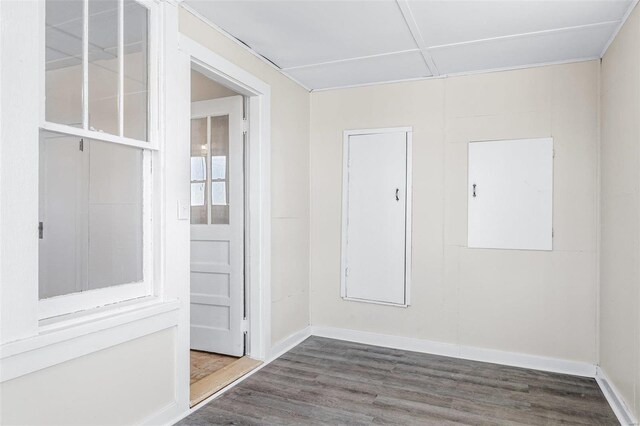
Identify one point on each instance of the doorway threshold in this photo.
(208, 385)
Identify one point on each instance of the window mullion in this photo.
(121, 67)
(85, 65)
(207, 186)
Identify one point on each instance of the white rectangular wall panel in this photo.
(375, 217)
(510, 194)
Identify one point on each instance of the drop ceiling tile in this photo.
(444, 22)
(362, 71)
(522, 51)
(295, 33)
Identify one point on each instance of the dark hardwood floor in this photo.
(331, 382)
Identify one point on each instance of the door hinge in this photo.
(552, 232)
(81, 145)
(40, 230)
(346, 272)
(244, 326)
(245, 125)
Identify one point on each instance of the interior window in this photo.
(90, 217)
(114, 52)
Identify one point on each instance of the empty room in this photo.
(319, 212)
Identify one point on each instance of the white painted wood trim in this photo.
(288, 343)
(408, 211)
(513, 359)
(258, 279)
(51, 348)
(615, 399)
(171, 414)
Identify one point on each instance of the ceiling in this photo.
(327, 44)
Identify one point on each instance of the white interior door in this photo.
(375, 217)
(217, 226)
(511, 194)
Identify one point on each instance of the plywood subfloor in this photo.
(229, 370)
(205, 363)
(325, 381)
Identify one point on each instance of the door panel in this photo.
(217, 226)
(376, 212)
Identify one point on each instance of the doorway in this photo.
(218, 331)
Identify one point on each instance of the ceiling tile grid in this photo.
(330, 44)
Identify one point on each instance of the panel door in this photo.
(510, 194)
(217, 226)
(374, 258)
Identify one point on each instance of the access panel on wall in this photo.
(510, 194)
(376, 228)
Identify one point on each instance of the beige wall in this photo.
(541, 303)
(620, 223)
(109, 387)
(289, 179)
(203, 88)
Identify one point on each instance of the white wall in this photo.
(541, 303)
(289, 179)
(620, 223)
(109, 387)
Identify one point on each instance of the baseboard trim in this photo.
(614, 398)
(169, 416)
(288, 343)
(513, 359)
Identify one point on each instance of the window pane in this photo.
(136, 65)
(103, 66)
(219, 160)
(63, 57)
(199, 152)
(92, 233)
(115, 214)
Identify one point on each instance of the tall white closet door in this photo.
(374, 240)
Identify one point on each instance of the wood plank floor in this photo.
(207, 386)
(206, 363)
(325, 381)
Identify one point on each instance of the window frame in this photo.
(91, 299)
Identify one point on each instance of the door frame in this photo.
(193, 55)
(345, 211)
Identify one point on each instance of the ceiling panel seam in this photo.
(417, 36)
(525, 35)
(462, 73)
(357, 58)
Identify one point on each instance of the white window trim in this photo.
(91, 299)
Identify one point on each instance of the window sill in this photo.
(64, 338)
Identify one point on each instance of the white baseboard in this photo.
(165, 416)
(169, 416)
(619, 407)
(514, 359)
(288, 343)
